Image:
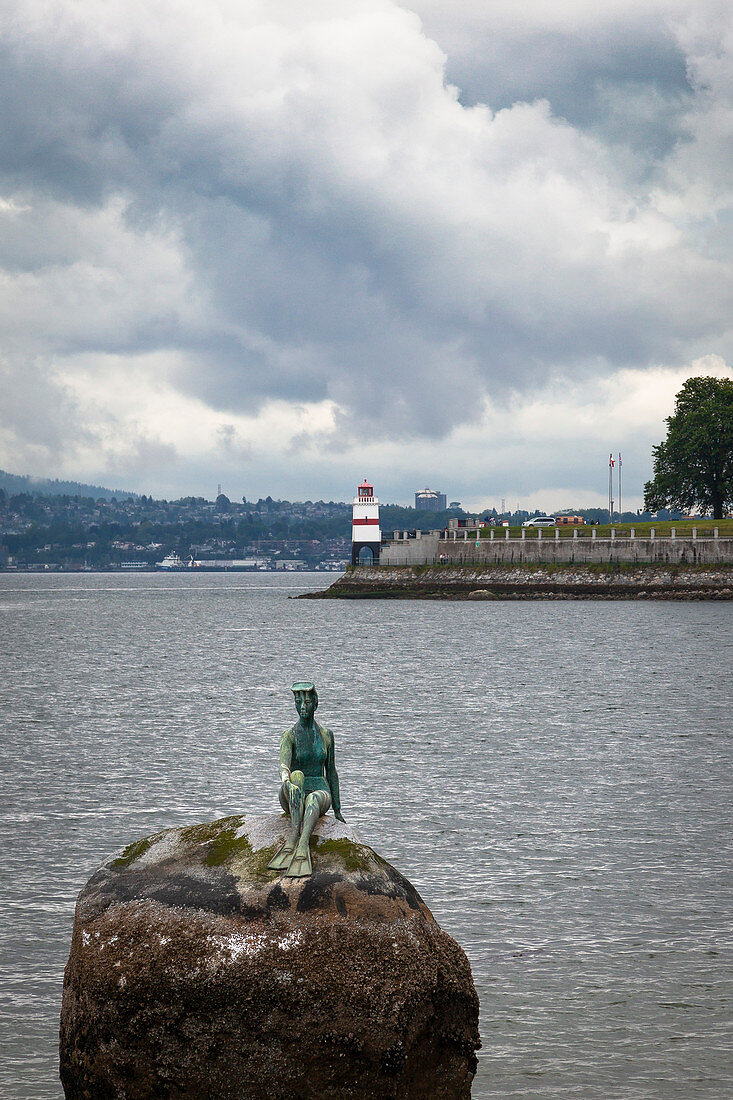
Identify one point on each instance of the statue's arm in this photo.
(333, 776)
(286, 755)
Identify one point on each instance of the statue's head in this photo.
(306, 698)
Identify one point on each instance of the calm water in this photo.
(555, 778)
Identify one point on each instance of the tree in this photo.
(694, 464)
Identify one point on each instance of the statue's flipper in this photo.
(300, 865)
(281, 860)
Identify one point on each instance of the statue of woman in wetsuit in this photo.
(310, 782)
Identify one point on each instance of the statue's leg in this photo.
(316, 805)
(296, 805)
(292, 801)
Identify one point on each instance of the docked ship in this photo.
(172, 561)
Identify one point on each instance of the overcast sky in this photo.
(470, 244)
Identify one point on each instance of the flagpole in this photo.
(619, 488)
(610, 488)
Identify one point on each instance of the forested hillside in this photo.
(44, 486)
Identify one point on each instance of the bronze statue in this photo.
(310, 782)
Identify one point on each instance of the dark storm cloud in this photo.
(293, 201)
(628, 84)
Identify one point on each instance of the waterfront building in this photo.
(471, 523)
(366, 535)
(430, 500)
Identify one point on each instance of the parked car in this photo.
(539, 521)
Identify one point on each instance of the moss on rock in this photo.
(208, 831)
(352, 857)
(132, 852)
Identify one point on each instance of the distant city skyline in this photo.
(475, 244)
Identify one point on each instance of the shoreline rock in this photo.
(621, 581)
(194, 971)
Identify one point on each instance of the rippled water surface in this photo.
(555, 778)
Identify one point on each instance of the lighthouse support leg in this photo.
(357, 547)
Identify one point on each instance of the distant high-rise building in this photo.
(430, 500)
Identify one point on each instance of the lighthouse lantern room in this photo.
(365, 531)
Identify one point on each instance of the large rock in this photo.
(197, 973)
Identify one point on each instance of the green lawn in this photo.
(662, 529)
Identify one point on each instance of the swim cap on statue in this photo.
(303, 685)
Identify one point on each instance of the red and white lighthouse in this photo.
(365, 532)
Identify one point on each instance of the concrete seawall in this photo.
(487, 581)
(427, 550)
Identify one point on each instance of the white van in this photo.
(539, 521)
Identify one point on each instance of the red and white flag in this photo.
(610, 460)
